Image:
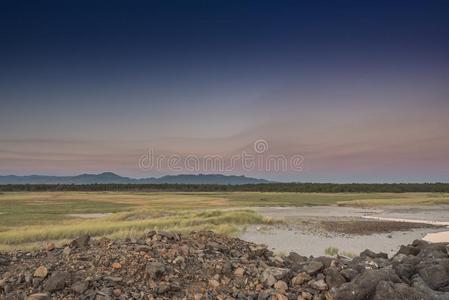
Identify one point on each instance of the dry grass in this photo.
(28, 219)
(117, 226)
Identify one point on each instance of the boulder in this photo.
(41, 272)
(364, 285)
(349, 274)
(80, 286)
(155, 269)
(405, 271)
(313, 267)
(419, 285)
(333, 277)
(295, 258)
(396, 291)
(57, 281)
(80, 242)
(435, 276)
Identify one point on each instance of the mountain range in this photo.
(109, 177)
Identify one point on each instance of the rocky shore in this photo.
(204, 265)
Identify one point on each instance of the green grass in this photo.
(25, 216)
(331, 251)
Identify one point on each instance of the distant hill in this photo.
(109, 177)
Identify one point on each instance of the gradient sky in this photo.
(359, 88)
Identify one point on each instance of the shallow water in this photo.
(306, 243)
(90, 216)
(284, 240)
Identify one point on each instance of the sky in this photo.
(358, 89)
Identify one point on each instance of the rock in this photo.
(214, 283)
(333, 277)
(278, 273)
(155, 269)
(267, 279)
(349, 273)
(41, 272)
(408, 250)
(318, 285)
(39, 296)
(214, 246)
(178, 260)
(363, 285)
(279, 296)
(258, 249)
(433, 251)
(313, 267)
(80, 287)
(423, 288)
(162, 288)
(205, 265)
(239, 272)
(57, 281)
(300, 279)
(227, 268)
(420, 244)
(281, 286)
(113, 278)
(435, 276)
(405, 271)
(369, 253)
(80, 242)
(296, 258)
(4, 260)
(198, 296)
(116, 266)
(50, 246)
(396, 291)
(305, 296)
(67, 251)
(168, 235)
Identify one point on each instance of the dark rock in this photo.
(4, 260)
(155, 269)
(364, 285)
(349, 274)
(435, 276)
(296, 258)
(80, 287)
(396, 291)
(420, 244)
(419, 284)
(369, 253)
(80, 242)
(434, 251)
(405, 271)
(313, 267)
(325, 260)
(169, 235)
(408, 250)
(277, 273)
(162, 288)
(214, 246)
(333, 277)
(57, 281)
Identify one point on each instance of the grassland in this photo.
(28, 220)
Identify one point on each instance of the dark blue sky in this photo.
(170, 32)
(138, 73)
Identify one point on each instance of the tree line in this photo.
(265, 187)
